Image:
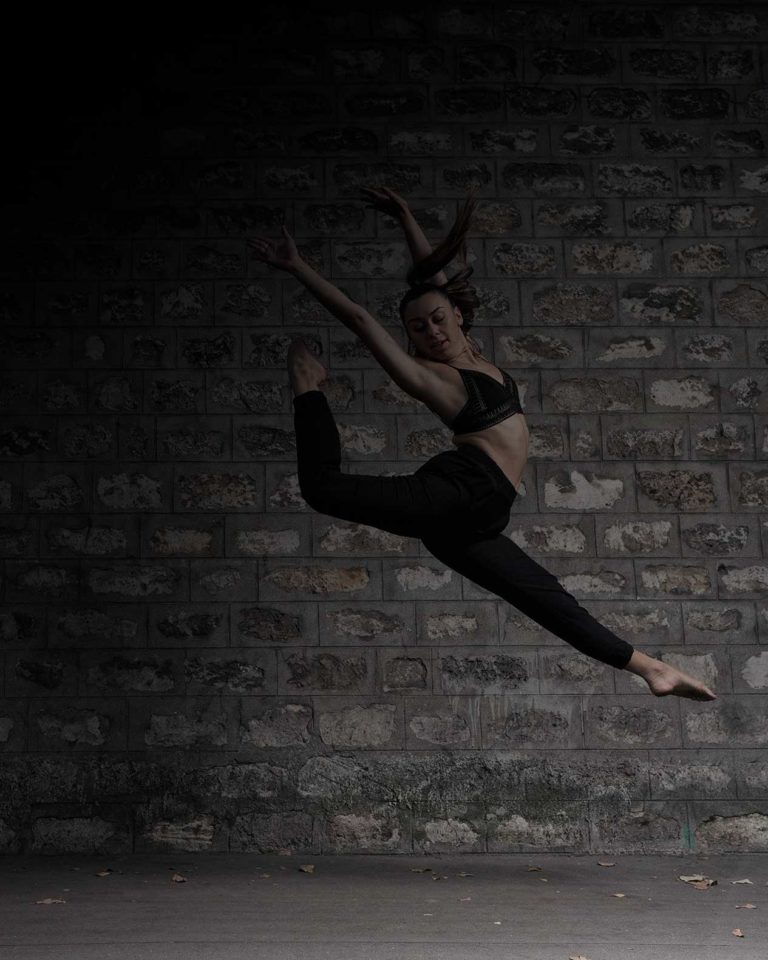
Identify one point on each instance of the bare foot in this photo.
(305, 370)
(665, 680)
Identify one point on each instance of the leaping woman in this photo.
(458, 502)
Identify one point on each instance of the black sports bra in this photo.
(488, 401)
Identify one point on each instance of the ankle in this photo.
(643, 665)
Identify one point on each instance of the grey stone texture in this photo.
(193, 659)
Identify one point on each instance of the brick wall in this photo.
(192, 659)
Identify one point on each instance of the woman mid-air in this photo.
(458, 502)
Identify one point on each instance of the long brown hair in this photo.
(457, 289)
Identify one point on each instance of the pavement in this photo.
(219, 906)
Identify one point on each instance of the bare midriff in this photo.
(506, 443)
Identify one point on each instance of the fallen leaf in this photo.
(265, 876)
(51, 900)
(542, 879)
(285, 852)
(699, 881)
(307, 868)
(463, 899)
(736, 932)
(497, 923)
(427, 914)
(534, 868)
(104, 873)
(741, 881)
(579, 956)
(618, 894)
(437, 877)
(177, 878)
(421, 869)
(746, 906)
(604, 863)
(463, 874)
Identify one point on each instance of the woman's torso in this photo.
(505, 442)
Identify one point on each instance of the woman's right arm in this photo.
(416, 379)
(391, 203)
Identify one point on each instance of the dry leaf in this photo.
(699, 881)
(463, 874)
(497, 923)
(307, 868)
(542, 879)
(746, 906)
(579, 956)
(177, 878)
(427, 914)
(421, 869)
(265, 875)
(443, 877)
(606, 863)
(104, 873)
(618, 894)
(534, 868)
(741, 881)
(463, 899)
(736, 932)
(51, 900)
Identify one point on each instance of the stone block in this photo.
(627, 537)
(172, 722)
(404, 670)
(188, 625)
(419, 579)
(458, 623)
(676, 578)
(533, 722)
(630, 720)
(274, 624)
(355, 623)
(612, 347)
(722, 436)
(712, 621)
(223, 580)
(582, 487)
(662, 438)
(440, 722)
(331, 670)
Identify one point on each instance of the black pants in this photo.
(458, 503)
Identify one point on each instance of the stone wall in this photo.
(192, 659)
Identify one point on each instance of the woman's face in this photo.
(434, 326)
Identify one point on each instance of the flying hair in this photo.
(457, 288)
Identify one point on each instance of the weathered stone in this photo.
(582, 219)
(123, 491)
(664, 217)
(721, 439)
(616, 257)
(595, 393)
(652, 303)
(218, 491)
(326, 672)
(664, 63)
(581, 490)
(685, 393)
(404, 673)
(643, 443)
(547, 178)
(633, 179)
(699, 258)
(663, 141)
(682, 489)
(619, 103)
(693, 103)
(744, 304)
(675, 579)
(286, 725)
(539, 101)
(59, 492)
(523, 258)
(714, 539)
(568, 303)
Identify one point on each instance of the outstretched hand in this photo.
(385, 200)
(277, 253)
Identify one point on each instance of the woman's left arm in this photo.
(391, 203)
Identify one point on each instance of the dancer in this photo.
(458, 502)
